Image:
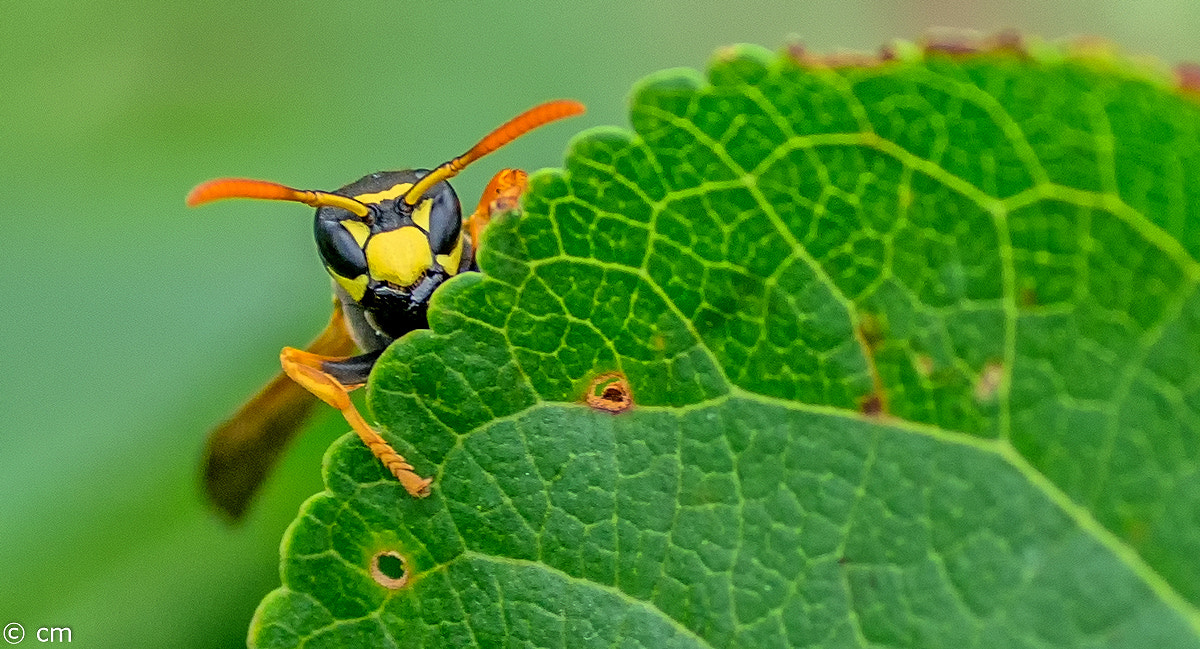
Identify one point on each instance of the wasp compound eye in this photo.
(341, 244)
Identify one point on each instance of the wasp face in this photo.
(391, 238)
(390, 261)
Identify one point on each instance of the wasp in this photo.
(388, 240)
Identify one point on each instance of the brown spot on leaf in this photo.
(989, 381)
(871, 330)
(923, 363)
(960, 42)
(1188, 77)
(609, 392)
(952, 42)
(841, 59)
(1010, 40)
(797, 52)
(390, 569)
(1028, 297)
(853, 59)
(872, 405)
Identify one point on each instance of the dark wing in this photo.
(242, 451)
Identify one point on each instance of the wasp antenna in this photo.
(514, 128)
(244, 188)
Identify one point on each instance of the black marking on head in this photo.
(339, 250)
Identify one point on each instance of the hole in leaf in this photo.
(390, 570)
(610, 393)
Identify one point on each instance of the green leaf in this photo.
(913, 348)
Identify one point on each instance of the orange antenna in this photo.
(242, 188)
(514, 128)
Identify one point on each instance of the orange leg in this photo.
(305, 368)
(500, 195)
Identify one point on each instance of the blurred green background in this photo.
(132, 325)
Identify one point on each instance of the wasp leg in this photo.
(331, 380)
(501, 194)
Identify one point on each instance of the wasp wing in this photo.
(242, 451)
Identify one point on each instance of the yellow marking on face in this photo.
(399, 256)
(391, 192)
(451, 261)
(356, 287)
(358, 230)
(420, 215)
